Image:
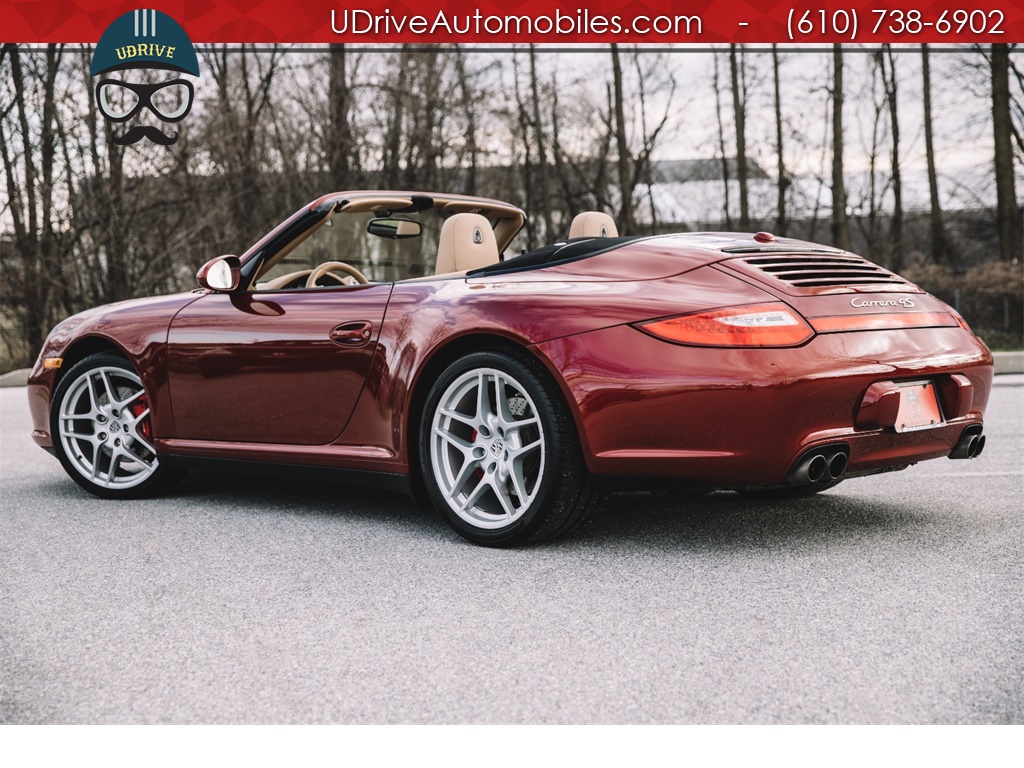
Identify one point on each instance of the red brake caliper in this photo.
(138, 408)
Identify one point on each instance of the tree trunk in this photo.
(840, 222)
(721, 147)
(393, 148)
(39, 262)
(627, 225)
(542, 157)
(1008, 215)
(941, 253)
(340, 142)
(739, 106)
(896, 228)
(428, 143)
(468, 100)
(783, 183)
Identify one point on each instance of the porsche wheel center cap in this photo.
(497, 447)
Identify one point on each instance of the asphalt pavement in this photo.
(891, 599)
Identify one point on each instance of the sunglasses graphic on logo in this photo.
(144, 40)
(120, 101)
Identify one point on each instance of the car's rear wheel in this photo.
(499, 452)
(102, 432)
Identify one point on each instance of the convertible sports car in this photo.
(514, 394)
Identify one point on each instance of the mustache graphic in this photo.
(140, 132)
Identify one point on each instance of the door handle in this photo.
(355, 334)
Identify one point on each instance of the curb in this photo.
(1008, 362)
(18, 378)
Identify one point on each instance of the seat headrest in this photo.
(593, 224)
(466, 242)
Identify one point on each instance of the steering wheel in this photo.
(330, 266)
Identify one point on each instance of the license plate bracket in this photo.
(919, 408)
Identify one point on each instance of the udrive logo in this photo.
(152, 41)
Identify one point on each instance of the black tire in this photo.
(90, 429)
(790, 491)
(519, 484)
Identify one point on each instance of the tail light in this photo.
(882, 321)
(754, 325)
(959, 319)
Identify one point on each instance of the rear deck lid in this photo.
(838, 291)
(814, 272)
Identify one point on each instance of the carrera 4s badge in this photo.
(904, 301)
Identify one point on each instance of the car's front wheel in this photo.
(499, 452)
(102, 432)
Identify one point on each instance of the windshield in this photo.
(344, 238)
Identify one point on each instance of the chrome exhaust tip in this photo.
(980, 446)
(824, 463)
(810, 469)
(816, 468)
(970, 445)
(837, 465)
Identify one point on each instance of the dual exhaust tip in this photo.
(829, 462)
(820, 464)
(970, 445)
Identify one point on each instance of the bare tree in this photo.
(1017, 102)
(528, 172)
(737, 70)
(468, 104)
(542, 155)
(1008, 214)
(875, 191)
(783, 179)
(340, 137)
(244, 78)
(392, 160)
(840, 221)
(721, 144)
(583, 172)
(941, 253)
(30, 204)
(896, 222)
(626, 219)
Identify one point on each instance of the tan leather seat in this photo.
(466, 242)
(593, 224)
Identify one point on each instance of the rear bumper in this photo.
(740, 417)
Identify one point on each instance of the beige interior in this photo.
(593, 224)
(507, 219)
(467, 242)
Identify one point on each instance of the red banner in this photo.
(538, 21)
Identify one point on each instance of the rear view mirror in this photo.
(394, 229)
(221, 274)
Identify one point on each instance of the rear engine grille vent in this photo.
(822, 270)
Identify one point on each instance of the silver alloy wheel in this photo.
(100, 425)
(487, 448)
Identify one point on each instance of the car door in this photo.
(275, 366)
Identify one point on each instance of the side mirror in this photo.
(221, 274)
(394, 229)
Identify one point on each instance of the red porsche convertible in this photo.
(514, 393)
